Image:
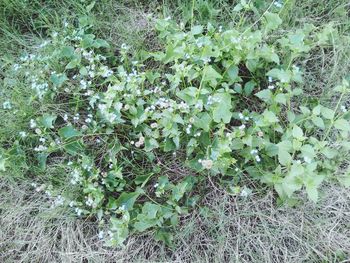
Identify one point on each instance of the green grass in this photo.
(242, 230)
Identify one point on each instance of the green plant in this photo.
(223, 102)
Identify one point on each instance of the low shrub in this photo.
(227, 104)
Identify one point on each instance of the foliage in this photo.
(225, 102)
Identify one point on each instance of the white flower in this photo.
(154, 125)
(278, 4)
(257, 158)
(7, 105)
(242, 127)
(23, 134)
(245, 192)
(343, 108)
(101, 235)
(155, 185)
(271, 87)
(207, 164)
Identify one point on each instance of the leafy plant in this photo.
(225, 103)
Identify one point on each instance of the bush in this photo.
(227, 104)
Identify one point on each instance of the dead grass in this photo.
(235, 230)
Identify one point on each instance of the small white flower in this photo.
(343, 108)
(207, 164)
(245, 192)
(101, 235)
(242, 127)
(23, 134)
(154, 125)
(271, 87)
(155, 185)
(278, 4)
(7, 105)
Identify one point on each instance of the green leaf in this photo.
(2, 164)
(312, 193)
(211, 75)
(327, 113)
(249, 87)
(318, 122)
(222, 109)
(297, 132)
(308, 151)
(67, 52)
(202, 121)
(47, 120)
(270, 117)
(74, 147)
(196, 30)
(342, 124)
(58, 79)
(127, 200)
(280, 74)
(232, 73)
(68, 132)
(98, 43)
(273, 21)
(284, 157)
(265, 95)
(165, 236)
(42, 158)
(281, 98)
(150, 144)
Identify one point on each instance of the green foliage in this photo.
(218, 100)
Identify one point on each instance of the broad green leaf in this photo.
(42, 158)
(98, 43)
(280, 74)
(202, 121)
(297, 132)
(47, 120)
(273, 21)
(249, 87)
(327, 113)
(211, 76)
(222, 109)
(127, 200)
(270, 116)
(281, 98)
(165, 236)
(264, 95)
(308, 151)
(284, 157)
(68, 132)
(74, 147)
(67, 52)
(312, 193)
(58, 79)
(342, 124)
(329, 152)
(318, 122)
(196, 30)
(150, 144)
(317, 110)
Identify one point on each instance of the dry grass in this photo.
(235, 230)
